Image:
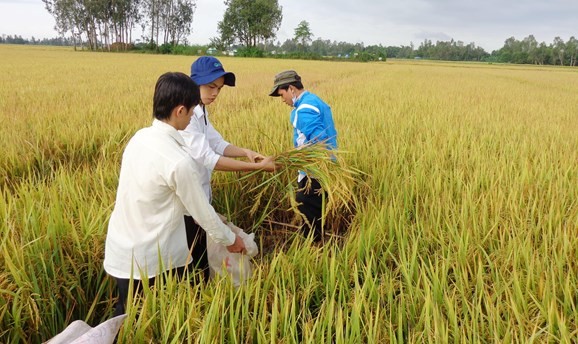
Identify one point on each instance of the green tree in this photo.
(544, 54)
(559, 48)
(86, 18)
(179, 20)
(125, 15)
(572, 50)
(167, 21)
(97, 21)
(249, 22)
(218, 44)
(303, 35)
(289, 46)
(63, 23)
(321, 47)
(530, 47)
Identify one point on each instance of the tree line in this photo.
(17, 39)
(529, 50)
(514, 51)
(249, 28)
(105, 24)
(526, 51)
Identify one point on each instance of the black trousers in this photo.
(197, 241)
(311, 204)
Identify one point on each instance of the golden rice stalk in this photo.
(332, 173)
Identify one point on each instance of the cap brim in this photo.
(207, 79)
(274, 92)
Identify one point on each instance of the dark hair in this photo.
(172, 90)
(297, 84)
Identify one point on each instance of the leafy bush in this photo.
(250, 52)
(121, 46)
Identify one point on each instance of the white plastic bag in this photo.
(79, 332)
(237, 266)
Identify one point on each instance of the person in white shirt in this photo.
(158, 184)
(207, 146)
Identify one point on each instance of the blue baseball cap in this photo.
(207, 69)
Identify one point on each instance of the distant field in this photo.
(468, 231)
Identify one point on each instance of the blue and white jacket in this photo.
(312, 122)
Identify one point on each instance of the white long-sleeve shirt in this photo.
(204, 144)
(158, 184)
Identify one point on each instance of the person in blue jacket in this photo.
(312, 123)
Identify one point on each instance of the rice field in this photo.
(465, 227)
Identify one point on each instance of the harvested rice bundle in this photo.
(332, 173)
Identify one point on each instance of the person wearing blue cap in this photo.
(206, 145)
(312, 122)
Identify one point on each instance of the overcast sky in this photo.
(487, 23)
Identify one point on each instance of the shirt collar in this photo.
(298, 101)
(198, 111)
(169, 130)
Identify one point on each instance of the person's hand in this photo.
(268, 164)
(253, 156)
(238, 246)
